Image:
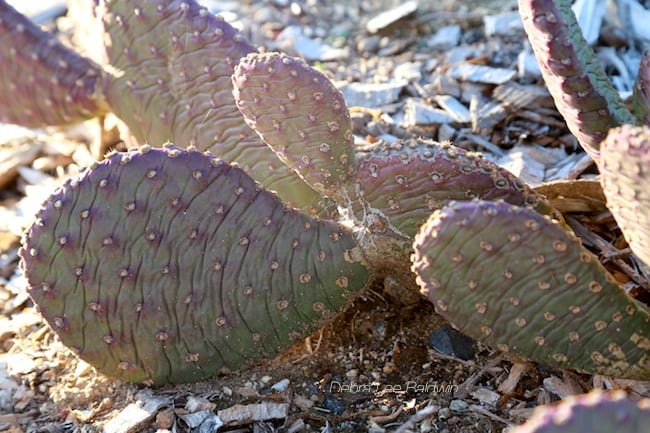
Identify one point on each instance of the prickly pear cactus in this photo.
(595, 412)
(301, 115)
(625, 176)
(44, 83)
(166, 265)
(520, 282)
(582, 92)
(408, 180)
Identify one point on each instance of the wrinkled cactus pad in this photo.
(595, 412)
(301, 115)
(169, 65)
(573, 74)
(409, 179)
(166, 266)
(43, 82)
(625, 176)
(521, 283)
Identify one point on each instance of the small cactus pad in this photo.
(582, 92)
(595, 412)
(625, 176)
(641, 94)
(171, 64)
(521, 283)
(409, 179)
(42, 82)
(301, 115)
(166, 266)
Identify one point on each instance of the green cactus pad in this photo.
(641, 94)
(301, 115)
(625, 176)
(582, 92)
(595, 412)
(409, 179)
(166, 266)
(42, 82)
(521, 283)
(170, 64)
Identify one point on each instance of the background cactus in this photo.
(523, 284)
(165, 71)
(582, 92)
(61, 86)
(596, 412)
(164, 265)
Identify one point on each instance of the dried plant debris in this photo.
(459, 71)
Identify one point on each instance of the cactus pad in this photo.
(170, 64)
(43, 82)
(582, 92)
(625, 176)
(165, 265)
(409, 179)
(595, 412)
(521, 283)
(301, 115)
(641, 94)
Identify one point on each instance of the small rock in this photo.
(502, 24)
(481, 73)
(454, 108)
(372, 95)
(369, 45)
(408, 71)
(445, 38)
(335, 405)
(281, 385)
(164, 419)
(458, 405)
(420, 113)
(448, 341)
(197, 404)
(391, 16)
(444, 413)
(291, 39)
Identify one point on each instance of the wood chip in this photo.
(481, 73)
(562, 387)
(136, 415)
(244, 414)
(391, 16)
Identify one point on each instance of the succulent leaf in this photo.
(582, 92)
(301, 115)
(170, 64)
(409, 179)
(166, 266)
(520, 282)
(625, 176)
(43, 82)
(595, 412)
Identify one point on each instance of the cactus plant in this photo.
(595, 412)
(380, 202)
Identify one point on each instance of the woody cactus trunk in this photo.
(208, 269)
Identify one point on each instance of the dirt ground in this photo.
(373, 368)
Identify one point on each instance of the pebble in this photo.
(409, 71)
(281, 385)
(503, 24)
(445, 38)
(448, 341)
(417, 112)
(335, 405)
(481, 73)
(372, 95)
(458, 405)
(444, 413)
(391, 16)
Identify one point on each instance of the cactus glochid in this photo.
(168, 265)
